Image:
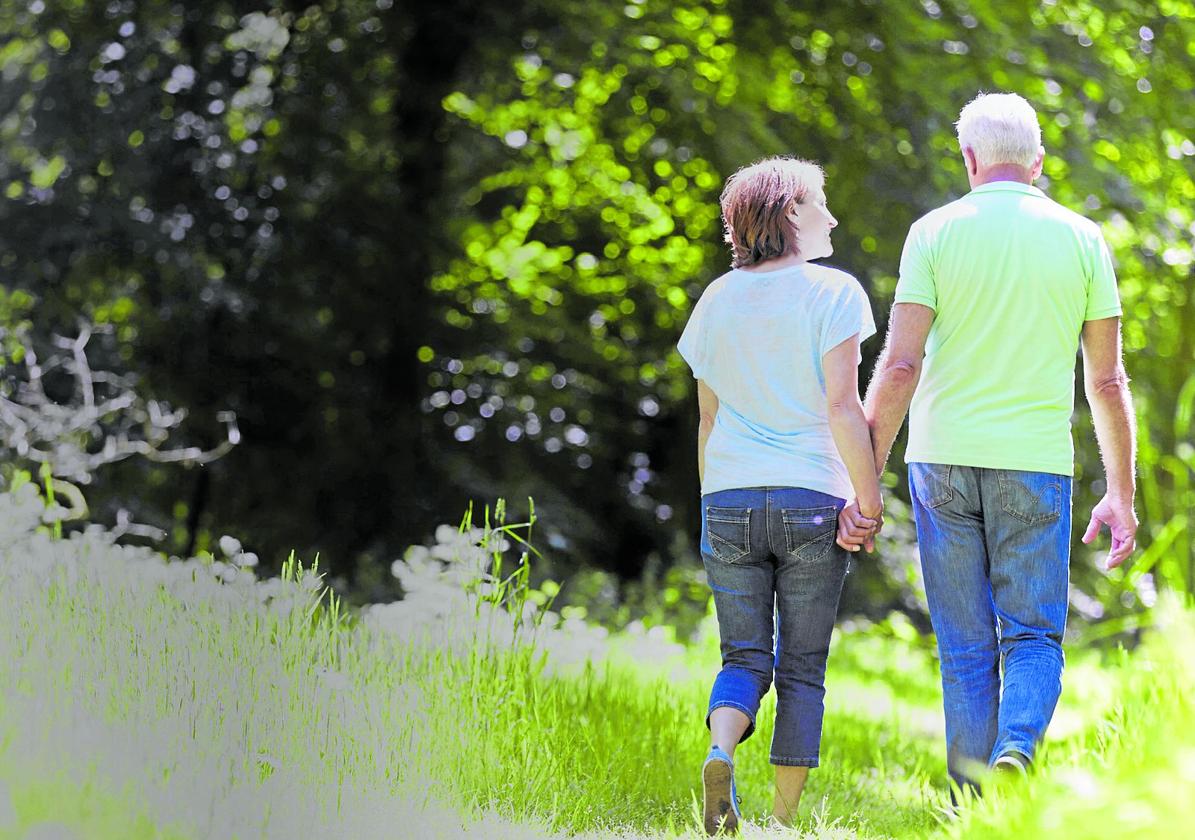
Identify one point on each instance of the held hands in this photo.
(856, 530)
(1121, 519)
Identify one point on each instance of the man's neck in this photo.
(1002, 172)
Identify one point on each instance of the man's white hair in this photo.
(1000, 128)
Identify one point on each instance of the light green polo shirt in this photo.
(1011, 276)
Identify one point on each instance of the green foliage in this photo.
(498, 587)
(671, 102)
(19, 479)
(677, 597)
(15, 307)
(47, 479)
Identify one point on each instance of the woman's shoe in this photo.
(721, 799)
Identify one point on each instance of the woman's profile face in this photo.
(813, 222)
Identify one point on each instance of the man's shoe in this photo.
(1011, 765)
(721, 799)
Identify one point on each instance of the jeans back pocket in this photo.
(729, 531)
(809, 532)
(931, 483)
(1032, 497)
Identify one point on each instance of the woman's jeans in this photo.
(772, 562)
(995, 552)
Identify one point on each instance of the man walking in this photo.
(996, 291)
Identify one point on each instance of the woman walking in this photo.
(782, 445)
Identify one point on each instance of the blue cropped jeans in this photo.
(995, 554)
(776, 574)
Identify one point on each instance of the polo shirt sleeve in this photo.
(1103, 300)
(850, 315)
(916, 282)
(693, 344)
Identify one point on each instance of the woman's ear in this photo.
(793, 214)
(791, 217)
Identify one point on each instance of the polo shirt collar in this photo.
(1008, 186)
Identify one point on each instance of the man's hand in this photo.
(1121, 520)
(856, 530)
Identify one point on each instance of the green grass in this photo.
(1129, 769)
(614, 748)
(56, 806)
(151, 699)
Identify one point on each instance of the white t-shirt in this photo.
(757, 340)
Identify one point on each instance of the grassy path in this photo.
(145, 699)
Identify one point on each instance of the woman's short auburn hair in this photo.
(755, 205)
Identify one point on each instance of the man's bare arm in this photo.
(1107, 388)
(707, 406)
(896, 375)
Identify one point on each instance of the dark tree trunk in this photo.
(441, 36)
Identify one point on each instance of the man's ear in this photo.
(1035, 170)
(970, 161)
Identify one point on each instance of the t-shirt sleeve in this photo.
(693, 344)
(916, 282)
(850, 315)
(1103, 300)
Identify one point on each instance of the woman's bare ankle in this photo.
(783, 822)
(790, 784)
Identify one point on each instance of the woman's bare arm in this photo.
(707, 405)
(848, 424)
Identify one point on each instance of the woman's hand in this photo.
(872, 508)
(857, 530)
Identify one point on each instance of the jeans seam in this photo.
(747, 534)
(791, 761)
(767, 520)
(735, 704)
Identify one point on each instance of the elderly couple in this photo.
(996, 292)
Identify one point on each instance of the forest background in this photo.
(395, 257)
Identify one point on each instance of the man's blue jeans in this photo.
(770, 552)
(995, 554)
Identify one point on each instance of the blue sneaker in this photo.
(721, 800)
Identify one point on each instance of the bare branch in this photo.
(109, 422)
(78, 505)
(125, 525)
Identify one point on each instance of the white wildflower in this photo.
(231, 546)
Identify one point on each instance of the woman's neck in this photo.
(776, 263)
